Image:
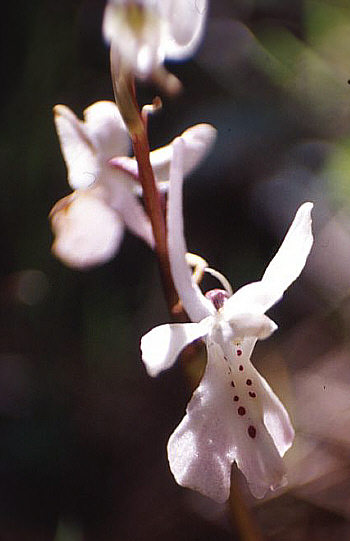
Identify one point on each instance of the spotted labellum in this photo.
(233, 415)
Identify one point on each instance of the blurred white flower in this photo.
(89, 224)
(233, 414)
(147, 32)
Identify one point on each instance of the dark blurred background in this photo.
(83, 429)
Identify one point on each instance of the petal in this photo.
(194, 302)
(162, 345)
(160, 160)
(186, 22)
(87, 231)
(197, 142)
(243, 326)
(264, 409)
(199, 448)
(260, 461)
(290, 259)
(132, 212)
(108, 22)
(284, 268)
(276, 418)
(106, 129)
(126, 164)
(119, 188)
(274, 414)
(224, 423)
(77, 148)
(249, 325)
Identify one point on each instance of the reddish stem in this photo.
(154, 210)
(153, 206)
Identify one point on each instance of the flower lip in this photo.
(218, 297)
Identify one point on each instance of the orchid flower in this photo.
(89, 223)
(233, 415)
(146, 32)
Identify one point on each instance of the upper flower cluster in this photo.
(146, 32)
(233, 414)
(89, 223)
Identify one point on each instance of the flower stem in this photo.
(242, 517)
(154, 209)
(125, 95)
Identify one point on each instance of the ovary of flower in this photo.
(233, 414)
(146, 32)
(89, 224)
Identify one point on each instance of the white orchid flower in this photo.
(233, 414)
(147, 32)
(89, 224)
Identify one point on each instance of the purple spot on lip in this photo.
(252, 431)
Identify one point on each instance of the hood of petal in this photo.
(107, 130)
(77, 148)
(197, 142)
(145, 33)
(87, 146)
(135, 31)
(185, 25)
